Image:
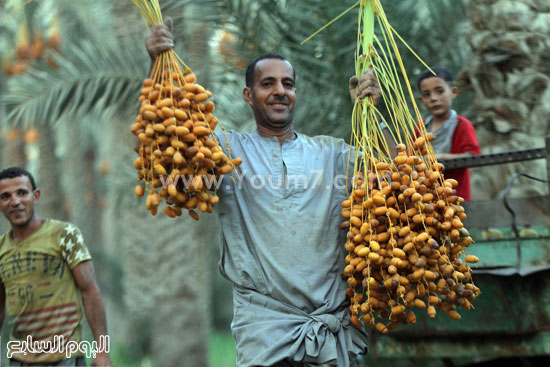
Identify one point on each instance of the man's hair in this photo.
(14, 172)
(439, 73)
(249, 75)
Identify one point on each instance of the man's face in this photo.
(273, 94)
(437, 96)
(17, 200)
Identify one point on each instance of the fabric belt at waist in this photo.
(267, 331)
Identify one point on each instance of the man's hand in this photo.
(160, 39)
(368, 86)
(102, 360)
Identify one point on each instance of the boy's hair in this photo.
(439, 72)
(14, 172)
(249, 75)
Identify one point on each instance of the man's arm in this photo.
(391, 143)
(2, 303)
(84, 277)
(368, 86)
(158, 40)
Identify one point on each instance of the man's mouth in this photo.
(16, 211)
(279, 103)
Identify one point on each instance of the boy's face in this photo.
(437, 96)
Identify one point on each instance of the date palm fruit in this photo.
(179, 155)
(406, 241)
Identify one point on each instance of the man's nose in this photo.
(14, 200)
(279, 88)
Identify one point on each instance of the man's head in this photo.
(270, 91)
(18, 196)
(251, 68)
(437, 91)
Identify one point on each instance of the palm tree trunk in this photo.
(182, 305)
(509, 75)
(79, 176)
(49, 175)
(167, 266)
(13, 149)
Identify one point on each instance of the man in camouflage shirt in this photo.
(44, 269)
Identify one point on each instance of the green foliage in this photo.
(90, 76)
(324, 64)
(99, 74)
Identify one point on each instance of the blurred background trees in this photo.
(509, 76)
(72, 71)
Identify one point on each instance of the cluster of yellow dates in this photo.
(406, 242)
(179, 156)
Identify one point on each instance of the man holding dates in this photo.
(281, 244)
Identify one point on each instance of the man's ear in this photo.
(36, 195)
(247, 95)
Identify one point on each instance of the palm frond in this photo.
(88, 75)
(91, 20)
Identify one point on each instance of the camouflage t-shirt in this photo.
(42, 299)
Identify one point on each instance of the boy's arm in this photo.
(464, 142)
(84, 277)
(453, 155)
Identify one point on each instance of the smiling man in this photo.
(281, 244)
(271, 93)
(45, 269)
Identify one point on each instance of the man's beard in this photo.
(282, 122)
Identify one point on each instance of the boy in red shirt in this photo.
(455, 136)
